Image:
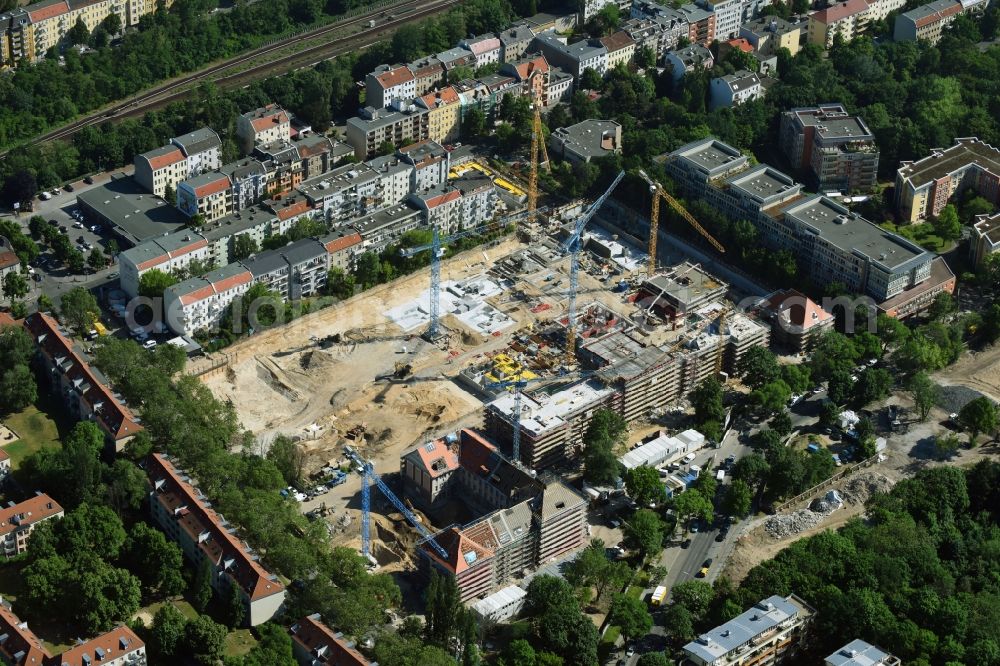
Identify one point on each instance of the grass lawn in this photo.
(239, 642)
(39, 426)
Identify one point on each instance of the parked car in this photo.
(88, 180)
(149, 344)
(68, 187)
(706, 565)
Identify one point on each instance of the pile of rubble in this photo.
(855, 491)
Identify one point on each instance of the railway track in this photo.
(412, 10)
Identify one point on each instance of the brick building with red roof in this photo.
(315, 644)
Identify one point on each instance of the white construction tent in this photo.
(664, 449)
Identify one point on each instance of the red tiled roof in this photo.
(442, 199)
(343, 243)
(485, 45)
(475, 452)
(160, 161)
(938, 15)
(115, 644)
(326, 647)
(197, 295)
(617, 41)
(802, 311)
(317, 148)
(394, 77)
(212, 288)
(8, 259)
(185, 502)
(526, 69)
(441, 97)
(840, 11)
(437, 458)
(30, 511)
(20, 639)
(278, 117)
(208, 189)
(297, 208)
(741, 44)
(7, 320)
(49, 11)
(116, 418)
(459, 548)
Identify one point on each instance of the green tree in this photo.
(201, 587)
(644, 532)
(781, 423)
(605, 431)
(18, 389)
(79, 309)
(591, 80)
(167, 632)
(78, 34)
(630, 615)
(367, 270)
(474, 123)
(693, 504)
(157, 562)
(924, 392)
(757, 367)
(873, 384)
(96, 260)
(93, 529)
(235, 608)
(752, 470)
(15, 287)
(243, 246)
(942, 306)
(340, 284)
(111, 249)
(946, 444)
(287, 456)
(643, 485)
(653, 659)
(170, 195)
(829, 415)
(518, 653)
(274, 648)
(443, 610)
(694, 595)
(947, 224)
(154, 282)
(205, 639)
(105, 595)
(977, 417)
(738, 499)
(772, 396)
(678, 623)
(707, 402)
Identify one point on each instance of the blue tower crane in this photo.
(572, 245)
(436, 246)
(367, 477)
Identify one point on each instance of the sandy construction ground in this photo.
(979, 371)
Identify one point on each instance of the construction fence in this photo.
(847, 471)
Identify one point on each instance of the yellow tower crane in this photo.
(537, 145)
(658, 193)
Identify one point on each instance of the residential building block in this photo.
(514, 42)
(390, 85)
(985, 238)
(444, 114)
(171, 254)
(620, 47)
(183, 512)
(769, 633)
(838, 149)
(861, 653)
(574, 58)
(315, 644)
(848, 18)
(926, 186)
(18, 521)
(770, 33)
(184, 157)
(586, 140)
(688, 59)
(262, 126)
(735, 89)
(377, 126)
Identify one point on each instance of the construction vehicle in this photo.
(368, 476)
(573, 246)
(436, 246)
(658, 193)
(659, 595)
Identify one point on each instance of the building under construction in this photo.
(628, 376)
(525, 520)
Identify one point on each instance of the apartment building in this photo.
(345, 193)
(18, 521)
(184, 513)
(390, 86)
(837, 149)
(620, 47)
(985, 238)
(574, 58)
(926, 22)
(659, 34)
(444, 114)
(262, 126)
(485, 49)
(207, 194)
(456, 57)
(9, 261)
(380, 229)
(374, 127)
(926, 186)
(184, 157)
(688, 59)
(257, 223)
(701, 24)
(485, 555)
(302, 268)
(247, 183)
(532, 72)
(199, 303)
(728, 16)
(587, 140)
(428, 74)
(796, 320)
(861, 653)
(430, 164)
(315, 644)
(51, 20)
(394, 177)
(769, 633)
(829, 241)
(514, 42)
(343, 246)
(735, 89)
(74, 383)
(20, 646)
(171, 254)
(17, 42)
(770, 33)
(847, 19)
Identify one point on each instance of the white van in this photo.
(689, 458)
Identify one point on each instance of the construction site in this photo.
(530, 337)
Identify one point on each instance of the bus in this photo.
(659, 596)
